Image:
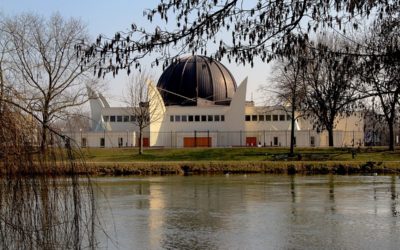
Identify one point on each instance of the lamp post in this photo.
(127, 136)
(81, 135)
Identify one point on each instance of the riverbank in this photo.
(126, 161)
(239, 167)
(216, 167)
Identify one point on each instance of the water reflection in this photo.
(251, 212)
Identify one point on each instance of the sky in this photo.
(108, 17)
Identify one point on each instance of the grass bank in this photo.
(124, 161)
(238, 154)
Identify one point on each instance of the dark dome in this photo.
(196, 80)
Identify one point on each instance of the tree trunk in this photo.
(140, 141)
(391, 136)
(291, 153)
(43, 142)
(330, 137)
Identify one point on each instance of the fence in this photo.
(173, 139)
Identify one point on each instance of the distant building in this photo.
(202, 106)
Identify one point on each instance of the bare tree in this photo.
(381, 74)
(289, 89)
(47, 75)
(330, 86)
(143, 102)
(260, 28)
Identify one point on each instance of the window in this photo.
(120, 142)
(203, 118)
(133, 118)
(184, 118)
(216, 118)
(190, 118)
(288, 117)
(102, 141)
(312, 141)
(268, 117)
(222, 118)
(171, 118)
(196, 118)
(281, 117)
(119, 118)
(210, 118)
(274, 117)
(126, 118)
(254, 118)
(261, 118)
(83, 142)
(276, 141)
(247, 118)
(177, 118)
(112, 118)
(106, 118)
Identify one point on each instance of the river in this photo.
(249, 212)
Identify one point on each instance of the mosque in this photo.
(198, 103)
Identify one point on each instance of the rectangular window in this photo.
(261, 118)
(254, 118)
(247, 118)
(177, 118)
(196, 118)
(112, 118)
(222, 118)
(203, 118)
(312, 141)
(268, 118)
(288, 117)
(210, 118)
(281, 117)
(274, 117)
(106, 118)
(126, 118)
(184, 118)
(216, 118)
(276, 141)
(119, 118)
(190, 118)
(133, 118)
(102, 142)
(83, 142)
(171, 118)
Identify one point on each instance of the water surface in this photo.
(249, 212)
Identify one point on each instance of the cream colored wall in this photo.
(234, 115)
(157, 113)
(111, 138)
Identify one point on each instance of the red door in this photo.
(197, 142)
(146, 142)
(251, 141)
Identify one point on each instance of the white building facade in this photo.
(200, 105)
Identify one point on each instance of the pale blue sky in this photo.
(107, 17)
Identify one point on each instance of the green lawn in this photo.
(236, 154)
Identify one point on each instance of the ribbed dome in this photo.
(196, 80)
